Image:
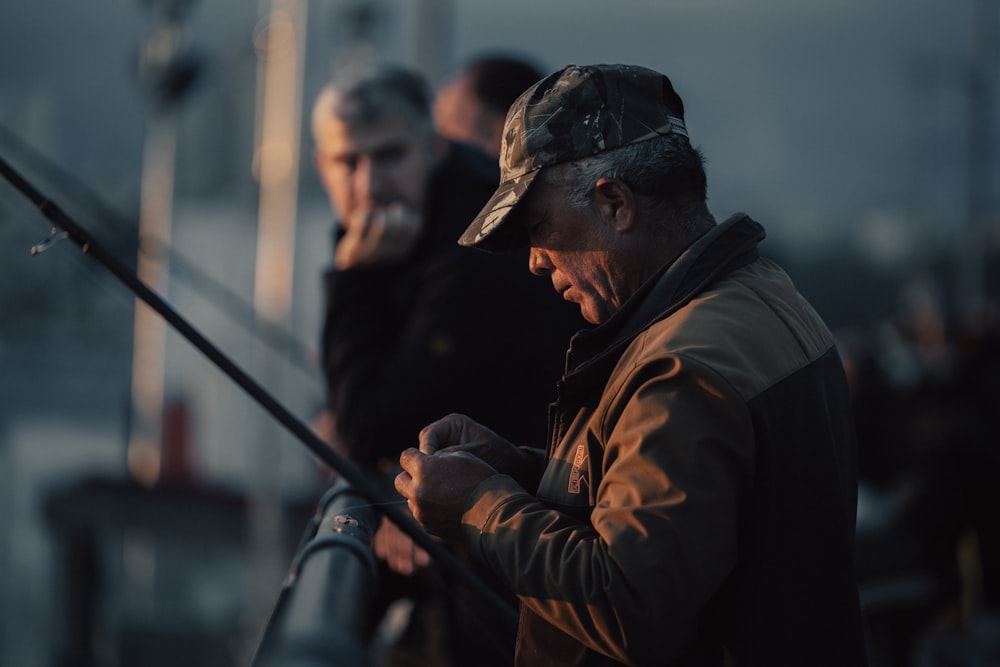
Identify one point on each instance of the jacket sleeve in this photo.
(631, 582)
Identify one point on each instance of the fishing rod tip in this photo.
(54, 237)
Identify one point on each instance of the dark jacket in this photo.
(448, 329)
(700, 488)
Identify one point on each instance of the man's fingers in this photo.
(441, 434)
(354, 248)
(400, 226)
(381, 234)
(403, 484)
(409, 459)
(390, 547)
(432, 438)
(398, 550)
(387, 232)
(371, 233)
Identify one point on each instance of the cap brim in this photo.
(492, 230)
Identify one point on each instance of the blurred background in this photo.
(150, 507)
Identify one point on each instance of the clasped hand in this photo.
(456, 454)
(383, 234)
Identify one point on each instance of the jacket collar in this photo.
(722, 249)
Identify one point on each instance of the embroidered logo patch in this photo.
(575, 474)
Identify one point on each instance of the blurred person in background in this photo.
(416, 325)
(925, 391)
(695, 501)
(472, 105)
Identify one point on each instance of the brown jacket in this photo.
(697, 506)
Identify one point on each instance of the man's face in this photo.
(575, 248)
(365, 168)
(460, 116)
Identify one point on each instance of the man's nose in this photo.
(538, 262)
(369, 180)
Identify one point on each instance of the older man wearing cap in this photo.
(695, 502)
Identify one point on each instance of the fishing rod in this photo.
(361, 484)
(221, 296)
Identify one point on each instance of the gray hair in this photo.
(667, 168)
(369, 93)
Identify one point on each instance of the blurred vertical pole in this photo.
(165, 77)
(156, 71)
(280, 46)
(155, 212)
(982, 73)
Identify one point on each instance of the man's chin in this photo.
(591, 315)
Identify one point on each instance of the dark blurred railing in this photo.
(322, 616)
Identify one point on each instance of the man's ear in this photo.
(616, 203)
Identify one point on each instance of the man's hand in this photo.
(379, 235)
(437, 487)
(398, 549)
(460, 433)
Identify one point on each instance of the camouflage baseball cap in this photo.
(571, 114)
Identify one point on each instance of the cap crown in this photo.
(582, 110)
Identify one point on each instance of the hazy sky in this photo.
(811, 114)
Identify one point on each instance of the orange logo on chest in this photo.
(575, 474)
